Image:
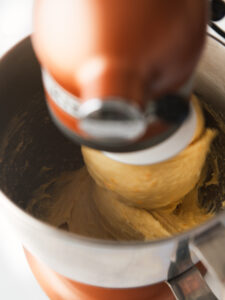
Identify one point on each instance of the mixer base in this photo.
(58, 287)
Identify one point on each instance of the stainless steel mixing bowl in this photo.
(29, 141)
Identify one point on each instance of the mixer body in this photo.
(87, 58)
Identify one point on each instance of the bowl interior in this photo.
(32, 150)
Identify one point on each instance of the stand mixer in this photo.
(117, 78)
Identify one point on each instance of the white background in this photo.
(16, 279)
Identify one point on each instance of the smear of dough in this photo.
(129, 202)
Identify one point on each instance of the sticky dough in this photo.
(153, 186)
(129, 202)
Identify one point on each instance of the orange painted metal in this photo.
(133, 49)
(58, 287)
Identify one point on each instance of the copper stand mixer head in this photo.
(118, 78)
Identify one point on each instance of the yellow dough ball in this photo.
(155, 186)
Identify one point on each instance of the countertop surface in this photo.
(16, 279)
